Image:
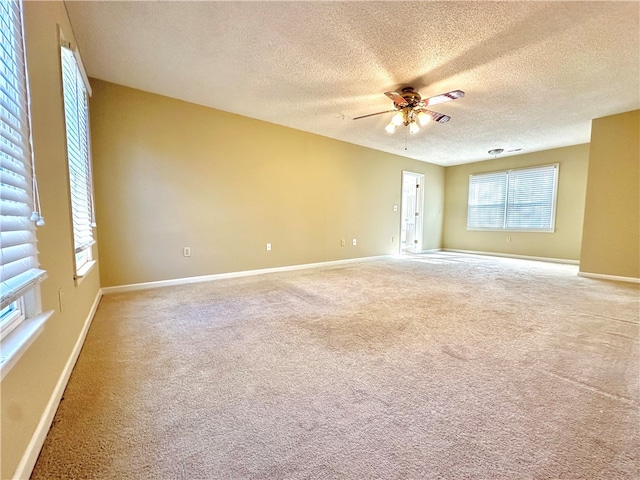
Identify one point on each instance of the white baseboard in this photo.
(30, 456)
(615, 278)
(509, 255)
(221, 276)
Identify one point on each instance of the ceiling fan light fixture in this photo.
(390, 128)
(397, 119)
(413, 128)
(423, 118)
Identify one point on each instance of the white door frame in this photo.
(417, 181)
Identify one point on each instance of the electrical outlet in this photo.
(268, 247)
(343, 242)
(355, 242)
(395, 208)
(186, 251)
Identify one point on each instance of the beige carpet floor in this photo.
(439, 366)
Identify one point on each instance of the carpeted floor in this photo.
(440, 366)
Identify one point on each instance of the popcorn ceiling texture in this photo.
(535, 73)
(439, 366)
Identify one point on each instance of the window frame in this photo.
(508, 185)
(12, 316)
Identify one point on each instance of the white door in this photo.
(411, 215)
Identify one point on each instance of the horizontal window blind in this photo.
(18, 253)
(531, 199)
(77, 126)
(487, 194)
(520, 199)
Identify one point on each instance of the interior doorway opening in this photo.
(411, 228)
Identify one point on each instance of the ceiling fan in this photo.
(410, 109)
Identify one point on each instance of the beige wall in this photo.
(611, 238)
(564, 243)
(28, 386)
(171, 174)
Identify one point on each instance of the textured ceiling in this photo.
(535, 73)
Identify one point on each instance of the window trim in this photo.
(12, 318)
(505, 228)
(20, 339)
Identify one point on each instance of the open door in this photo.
(411, 215)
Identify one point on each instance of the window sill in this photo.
(17, 342)
(83, 271)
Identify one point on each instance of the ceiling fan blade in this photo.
(436, 117)
(397, 99)
(444, 97)
(372, 114)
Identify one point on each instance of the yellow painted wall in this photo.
(28, 386)
(171, 174)
(611, 239)
(564, 243)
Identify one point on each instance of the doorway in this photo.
(411, 213)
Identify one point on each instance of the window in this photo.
(20, 310)
(79, 157)
(522, 199)
(11, 316)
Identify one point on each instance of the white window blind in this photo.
(79, 157)
(520, 199)
(19, 256)
(487, 194)
(531, 200)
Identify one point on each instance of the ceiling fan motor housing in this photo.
(412, 97)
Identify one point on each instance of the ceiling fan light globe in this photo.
(397, 119)
(390, 128)
(413, 128)
(423, 118)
